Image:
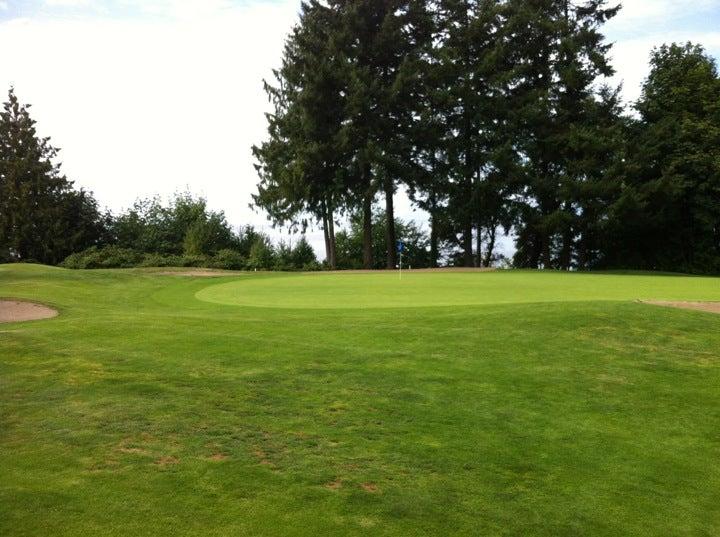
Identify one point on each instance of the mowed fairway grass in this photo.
(506, 403)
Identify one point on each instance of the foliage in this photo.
(262, 254)
(350, 243)
(184, 226)
(667, 214)
(41, 217)
(228, 259)
(263, 257)
(106, 257)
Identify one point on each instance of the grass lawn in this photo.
(508, 403)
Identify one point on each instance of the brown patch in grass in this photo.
(200, 273)
(406, 270)
(709, 307)
(15, 311)
(334, 485)
(133, 451)
(370, 487)
(168, 460)
(262, 457)
(109, 465)
(131, 446)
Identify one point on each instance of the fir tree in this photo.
(33, 192)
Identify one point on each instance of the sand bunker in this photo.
(710, 307)
(13, 311)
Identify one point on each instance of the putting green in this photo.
(386, 290)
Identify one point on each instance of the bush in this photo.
(116, 257)
(312, 266)
(194, 261)
(107, 257)
(159, 260)
(262, 255)
(228, 259)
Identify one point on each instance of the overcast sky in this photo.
(154, 96)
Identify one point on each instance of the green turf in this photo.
(421, 289)
(535, 404)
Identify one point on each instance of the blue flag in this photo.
(400, 246)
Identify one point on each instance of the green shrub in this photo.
(107, 257)
(159, 260)
(194, 261)
(262, 255)
(228, 259)
(312, 266)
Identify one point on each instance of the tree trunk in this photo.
(567, 239)
(468, 243)
(536, 249)
(566, 254)
(331, 239)
(433, 233)
(492, 232)
(546, 254)
(326, 233)
(478, 246)
(390, 239)
(367, 231)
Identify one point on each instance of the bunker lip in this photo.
(15, 311)
(709, 307)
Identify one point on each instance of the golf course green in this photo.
(493, 403)
(422, 289)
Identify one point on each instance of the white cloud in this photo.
(144, 107)
(181, 9)
(648, 12)
(67, 3)
(631, 57)
(642, 25)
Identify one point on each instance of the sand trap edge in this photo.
(16, 311)
(707, 307)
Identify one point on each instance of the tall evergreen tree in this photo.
(560, 53)
(34, 195)
(301, 165)
(468, 66)
(382, 40)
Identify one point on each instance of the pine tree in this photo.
(381, 41)
(301, 166)
(467, 53)
(33, 192)
(560, 53)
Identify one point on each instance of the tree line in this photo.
(43, 218)
(495, 116)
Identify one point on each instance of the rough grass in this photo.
(142, 410)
